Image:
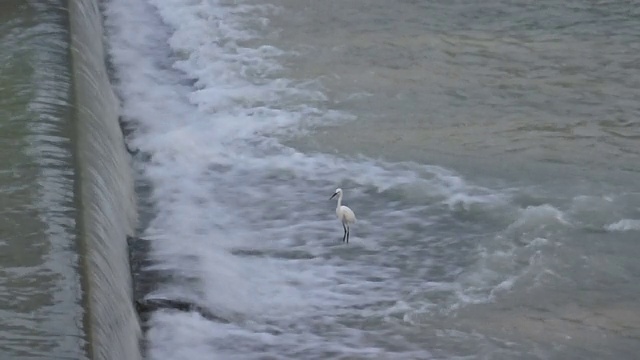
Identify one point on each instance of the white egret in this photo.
(345, 215)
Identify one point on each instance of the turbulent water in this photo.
(489, 151)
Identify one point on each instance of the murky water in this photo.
(529, 87)
(40, 293)
(488, 150)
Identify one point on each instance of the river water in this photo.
(489, 151)
(40, 288)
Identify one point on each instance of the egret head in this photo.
(338, 192)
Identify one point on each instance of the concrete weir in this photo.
(105, 193)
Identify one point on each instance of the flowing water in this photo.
(489, 151)
(40, 293)
(66, 190)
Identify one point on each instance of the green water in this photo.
(40, 289)
(538, 99)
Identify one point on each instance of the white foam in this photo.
(246, 223)
(624, 225)
(535, 217)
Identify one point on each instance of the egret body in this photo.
(345, 215)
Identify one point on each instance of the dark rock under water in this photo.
(144, 307)
(143, 286)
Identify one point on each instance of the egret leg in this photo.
(345, 232)
(348, 234)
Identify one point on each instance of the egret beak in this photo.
(332, 196)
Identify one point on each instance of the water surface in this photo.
(40, 292)
(487, 150)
